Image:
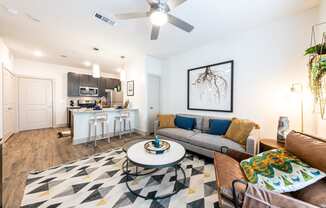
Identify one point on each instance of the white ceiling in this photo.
(67, 27)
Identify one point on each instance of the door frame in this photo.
(19, 97)
(6, 137)
(159, 97)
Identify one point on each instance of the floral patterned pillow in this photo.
(280, 171)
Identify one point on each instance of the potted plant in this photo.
(317, 73)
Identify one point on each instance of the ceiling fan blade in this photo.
(133, 15)
(175, 3)
(180, 23)
(155, 32)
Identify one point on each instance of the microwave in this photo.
(88, 91)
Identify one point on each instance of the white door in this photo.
(153, 100)
(9, 104)
(35, 103)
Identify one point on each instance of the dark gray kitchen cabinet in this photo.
(115, 83)
(73, 84)
(102, 86)
(88, 81)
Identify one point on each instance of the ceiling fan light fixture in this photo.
(159, 18)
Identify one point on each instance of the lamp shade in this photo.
(96, 71)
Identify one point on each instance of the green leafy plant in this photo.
(317, 49)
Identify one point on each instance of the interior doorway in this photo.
(35, 103)
(153, 100)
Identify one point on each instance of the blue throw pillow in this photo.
(218, 126)
(185, 122)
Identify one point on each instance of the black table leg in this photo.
(176, 167)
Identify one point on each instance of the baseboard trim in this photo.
(60, 125)
(141, 132)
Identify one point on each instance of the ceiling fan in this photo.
(159, 15)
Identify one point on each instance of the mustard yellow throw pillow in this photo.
(166, 121)
(239, 130)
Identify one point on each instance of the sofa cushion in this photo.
(199, 120)
(185, 122)
(239, 130)
(218, 126)
(176, 133)
(214, 142)
(280, 171)
(307, 148)
(205, 122)
(166, 121)
(314, 194)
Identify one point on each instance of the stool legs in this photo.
(121, 121)
(89, 133)
(114, 127)
(95, 135)
(129, 127)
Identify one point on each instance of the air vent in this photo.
(105, 19)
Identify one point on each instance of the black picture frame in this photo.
(231, 94)
(130, 88)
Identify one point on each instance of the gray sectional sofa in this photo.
(198, 140)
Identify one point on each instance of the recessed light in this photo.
(38, 53)
(87, 63)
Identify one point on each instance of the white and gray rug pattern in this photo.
(98, 181)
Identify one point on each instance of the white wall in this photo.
(267, 61)
(321, 130)
(58, 73)
(136, 71)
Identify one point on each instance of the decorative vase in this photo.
(283, 129)
(157, 142)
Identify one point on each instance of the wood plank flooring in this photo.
(39, 150)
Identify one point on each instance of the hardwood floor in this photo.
(39, 150)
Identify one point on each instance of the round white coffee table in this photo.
(137, 155)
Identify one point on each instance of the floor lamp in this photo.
(298, 89)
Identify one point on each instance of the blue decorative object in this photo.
(185, 122)
(157, 142)
(218, 126)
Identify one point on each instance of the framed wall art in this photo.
(210, 88)
(130, 88)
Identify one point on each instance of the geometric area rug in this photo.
(98, 181)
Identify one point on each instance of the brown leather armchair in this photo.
(233, 188)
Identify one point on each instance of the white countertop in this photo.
(87, 110)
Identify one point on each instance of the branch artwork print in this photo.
(212, 85)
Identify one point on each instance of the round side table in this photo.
(269, 144)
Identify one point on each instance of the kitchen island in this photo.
(81, 117)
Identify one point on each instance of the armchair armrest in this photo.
(236, 155)
(252, 142)
(251, 146)
(156, 126)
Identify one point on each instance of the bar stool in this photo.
(99, 119)
(123, 118)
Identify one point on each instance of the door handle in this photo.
(9, 108)
(151, 108)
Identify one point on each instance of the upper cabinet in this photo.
(73, 84)
(88, 81)
(75, 81)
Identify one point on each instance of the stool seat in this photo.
(123, 119)
(97, 119)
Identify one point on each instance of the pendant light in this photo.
(96, 71)
(122, 71)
